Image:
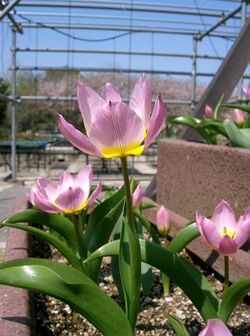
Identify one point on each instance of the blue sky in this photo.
(148, 42)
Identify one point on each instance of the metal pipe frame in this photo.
(112, 70)
(117, 52)
(6, 12)
(194, 72)
(13, 107)
(136, 8)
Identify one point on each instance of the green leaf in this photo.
(149, 227)
(178, 326)
(146, 278)
(245, 108)
(130, 271)
(185, 120)
(70, 286)
(217, 107)
(183, 237)
(63, 226)
(232, 297)
(238, 137)
(180, 270)
(51, 239)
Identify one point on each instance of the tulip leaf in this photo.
(180, 270)
(146, 277)
(185, 120)
(63, 226)
(70, 286)
(232, 297)
(217, 107)
(241, 107)
(51, 239)
(178, 326)
(130, 271)
(183, 237)
(149, 227)
(238, 137)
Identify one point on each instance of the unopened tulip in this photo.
(137, 196)
(162, 221)
(113, 128)
(238, 116)
(70, 195)
(215, 327)
(208, 112)
(246, 90)
(222, 232)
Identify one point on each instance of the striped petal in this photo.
(208, 230)
(89, 103)
(84, 179)
(75, 137)
(226, 246)
(117, 131)
(71, 200)
(242, 230)
(43, 203)
(157, 122)
(141, 99)
(95, 193)
(111, 94)
(223, 216)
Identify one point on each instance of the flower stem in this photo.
(129, 208)
(226, 273)
(79, 234)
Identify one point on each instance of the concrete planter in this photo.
(195, 176)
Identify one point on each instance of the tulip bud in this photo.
(162, 221)
(137, 196)
(215, 327)
(246, 90)
(208, 112)
(238, 117)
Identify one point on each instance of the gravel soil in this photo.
(54, 318)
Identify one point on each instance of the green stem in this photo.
(226, 273)
(164, 278)
(129, 207)
(79, 235)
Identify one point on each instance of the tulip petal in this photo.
(84, 179)
(77, 138)
(95, 193)
(242, 230)
(43, 203)
(66, 181)
(71, 200)
(208, 230)
(223, 216)
(117, 131)
(157, 122)
(111, 94)
(137, 196)
(215, 327)
(89, 103)
(141, 100)
(226, 246)
(47, 187)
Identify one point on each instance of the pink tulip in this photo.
(137, 196)
(113, 128)
(208, 112)
(246, 90)
(71, 194)
(238, 116)
(215, 327)
(162, 221)
(222, 232)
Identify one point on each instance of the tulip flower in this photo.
(215, 327)
(246, 90)
(137, 196)
(238, 116)
(222, 232)
(162, 221)
(70, 195)
(113, 128)
(208, 112)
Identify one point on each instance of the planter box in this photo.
(194, 176)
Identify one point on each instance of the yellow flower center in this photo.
(132, 148)
(225, 231)
(72, 210)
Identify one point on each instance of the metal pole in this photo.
(8, 8)
(194, 72)
(13, 106)
(243, 21)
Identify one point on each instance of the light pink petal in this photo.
(141, 99)
(70, 199)
(223, 216)
(157, 122)
(137, 196)
(77, 138)
(208, 230)
(208, 112)
(242, 230)
(95, 193)
(226, 246)
(116, 125)
(47, 186)
(84, 179)
(89, 103)
(215, 327)
(238, 116)
(66, 181)
(44, 203)
(246, 90)
(162, 220)
(111, 94)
